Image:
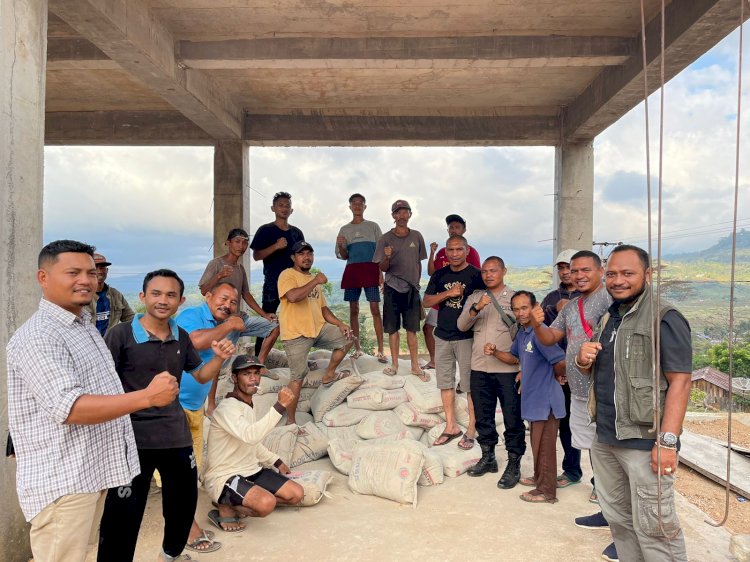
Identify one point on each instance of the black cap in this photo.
(238, 232)
(244, 361)
(455, 218)
(301, 246)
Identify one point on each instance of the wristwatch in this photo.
(667, 439)
(474, 308)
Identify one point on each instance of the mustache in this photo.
(224, 309)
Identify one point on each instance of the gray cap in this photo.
(565, 256)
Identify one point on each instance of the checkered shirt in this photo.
(53, 359)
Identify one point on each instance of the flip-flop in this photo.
(342, 374)
(356, 355)
(213, 517)
(536, 498)
(528, 481)
(213, 545)
(381, 357)
(450, 437)
(390, 371)
(466, 443)
(563, 481)
(594, 497)
(427, 366)
(422, 375)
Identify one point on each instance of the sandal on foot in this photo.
(390, 371)
(531, 497)
(381, 357)
(356, 355)
(423, 375)
(213, 546)
(528, 481)
(466, 443)
(342, 374)
(213, 517)
(594, 497)
(563, 481)
(428, 366)
(446, 438)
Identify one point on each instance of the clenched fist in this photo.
(226, 271)
(286, 397)
(223, 349)
(489, 348)
(433, 247)
(388, 251)
(321, 278)
(537, 315)
(281, 243)
(162, 390)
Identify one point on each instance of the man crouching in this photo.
(236, 474)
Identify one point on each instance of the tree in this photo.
(718, 357)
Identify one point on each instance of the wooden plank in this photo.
(708, 457)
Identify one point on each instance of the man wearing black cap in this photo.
(109, 306)
(238, 473)
(399, 253)
(306, 321)
(456, 227)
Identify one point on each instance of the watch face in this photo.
(669, 439)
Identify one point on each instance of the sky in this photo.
(150, 207)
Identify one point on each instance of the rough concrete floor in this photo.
(463, 519)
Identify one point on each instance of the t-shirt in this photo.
(278, 261)
(361, 240)
(303, 318)
(238, 277)
(193, 393)
(540, 391)
(676, 356)
(102, 311)
(139, 356)
(450, 309)
(405, 269)
(569, 322)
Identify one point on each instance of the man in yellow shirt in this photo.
(306, 321)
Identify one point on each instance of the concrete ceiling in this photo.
(316, 72)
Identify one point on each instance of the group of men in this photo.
(77, 448)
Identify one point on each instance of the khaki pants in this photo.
(60, 532)
(195, 423)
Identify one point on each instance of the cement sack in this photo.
(328, 397)
(416, 432)
(341, 452)
(281, 441)
(311, 445)
(301, 418)
(389, 470)
(425, 396)
(344, 416)
(413, 417)
(276, 358)
(461, 409)
(379, 424)
(314, 482)
(456, 460)
(432, 471)
(313, 378)
(403, 435)
(304, 406)
(269, 386)
(368, 364)
(347, 432)
(376, 399)
(378, 380)
(305, 394)
(435, 432)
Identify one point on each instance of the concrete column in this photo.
(23, 59)
(574, 197)
(231, 193)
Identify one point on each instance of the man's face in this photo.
(563, 273)
(282, 208)
(401, 217)
(493, 274)
(70, 282)
(625, 277)
(237, 246)
(357, 206)
(303, 260)
(455, 251)
(586, 275)
(162, 297)
(456, 227)
(247, 380)
(101, 275)
(521, 307)
(222, 302)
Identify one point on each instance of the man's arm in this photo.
(342, 252)
(298, 294)
(223, 350)
(675, 405)
(202, 338)
(253, 304)
(330, 317)
(253, 433)
(433, 300)
(545, 334)
(262, 254)
(431, 260)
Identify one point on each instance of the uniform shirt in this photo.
(361, 240)
(470, 278)
(192, 393)
(238, 277)
(139, 356)
(53, 359)
(540, 391)
(303, 318)
(405, 269)
(278, 261)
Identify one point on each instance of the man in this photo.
(449, 287)
(272, 243)
(575, 323)
(161, 434)
(229, 268)
(356, 243)
(628, 461)
(456, 225)
(488, 314)
(399, 253)
(108, 306)
(66, 408)
(306, 322)
(234, 476)
(552, 304)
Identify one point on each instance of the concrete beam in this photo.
(574, 197)
(403, 52)
(692, 28)
(231, 193)
(133, 38)
(361, 130)
(137, 128)
(76, 53)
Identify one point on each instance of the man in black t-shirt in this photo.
(272, 243)
(449, 288)
(150, 343)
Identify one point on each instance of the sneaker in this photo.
(610, 553)
(596, 521)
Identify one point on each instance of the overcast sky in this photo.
(151, 207)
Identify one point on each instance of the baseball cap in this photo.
(244, 361)
(301, 246)
(455, 218)
(565, 256)
(238, 233)
(101, 260)
(400, 204)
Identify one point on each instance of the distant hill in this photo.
(720, 252)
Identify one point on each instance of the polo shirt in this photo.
(139, 356)
(192, 393)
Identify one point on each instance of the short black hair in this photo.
(587, 254)
(49, 253)
(532, 297)
(457, 237)
(227, 283)
(498, 259)
(357, 195)
(163, 273)
(642, 254)
(235, 232)
(281, 195)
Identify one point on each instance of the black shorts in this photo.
(236, 487)
(401, 308)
